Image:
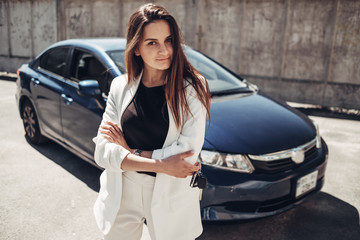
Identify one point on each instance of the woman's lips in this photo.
(163, 59)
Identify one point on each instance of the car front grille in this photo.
(265, 164)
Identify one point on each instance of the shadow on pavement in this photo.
(323, 217)
(81, 169)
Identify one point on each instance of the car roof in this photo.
(105, 44)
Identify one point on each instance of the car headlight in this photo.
(232, 162)
(318, 136)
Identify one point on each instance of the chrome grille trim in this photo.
(283, 154)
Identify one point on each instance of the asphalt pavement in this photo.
(46, 192)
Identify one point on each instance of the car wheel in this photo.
(31, 124)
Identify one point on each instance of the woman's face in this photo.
(156, 48)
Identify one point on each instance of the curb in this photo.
(8, 76)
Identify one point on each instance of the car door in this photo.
(46, 88)
(81, 115)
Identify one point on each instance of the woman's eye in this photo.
(169, 40)
(151, 43)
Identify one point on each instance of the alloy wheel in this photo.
(31, 124)
(29, 121)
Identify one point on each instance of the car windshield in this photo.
(118, 57)
(220, 80)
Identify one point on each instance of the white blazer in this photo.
(175, 205)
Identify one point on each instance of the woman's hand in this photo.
(113, 134)
(176, 165)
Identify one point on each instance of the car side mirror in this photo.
(91, 88)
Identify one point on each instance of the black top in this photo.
(145, 121)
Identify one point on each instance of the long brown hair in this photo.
(180, 69)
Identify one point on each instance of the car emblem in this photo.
(298, 156)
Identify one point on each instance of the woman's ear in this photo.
(137, 53)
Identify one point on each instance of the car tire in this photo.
(31, 123)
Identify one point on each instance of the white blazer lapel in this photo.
(162, 180)
(128, 95)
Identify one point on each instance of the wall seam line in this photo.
(9, 27)
(329, 63)
(284, 41)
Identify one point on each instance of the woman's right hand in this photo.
(176, 165)
(113, 133)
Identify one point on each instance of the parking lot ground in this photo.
(46, 192)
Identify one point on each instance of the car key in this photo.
(198, 180)
(201, 180)
(193, 180)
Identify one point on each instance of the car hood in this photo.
(255, 124)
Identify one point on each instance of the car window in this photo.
(86, 66)
(55, 60)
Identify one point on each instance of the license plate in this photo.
(306, 183)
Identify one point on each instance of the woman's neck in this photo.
(154, 78)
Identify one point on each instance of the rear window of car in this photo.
(55, 60)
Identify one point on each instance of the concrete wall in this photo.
(297, 50)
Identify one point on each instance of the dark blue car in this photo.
(261, 157)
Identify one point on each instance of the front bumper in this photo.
(239, 196)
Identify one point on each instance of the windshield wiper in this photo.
(231, 91)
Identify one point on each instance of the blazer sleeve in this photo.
(110, 155)
(192, 134)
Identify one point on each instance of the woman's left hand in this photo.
(113, 134)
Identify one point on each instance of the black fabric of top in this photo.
(145, 121)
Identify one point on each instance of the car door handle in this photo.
(67, 100)
(35, 81)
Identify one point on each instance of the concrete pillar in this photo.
(262, 38)
(106, 18)
(44, 31)
(128, 7)
(345, 58)
(343, 83)
(219, 29)
(78, 18)
(309, 31)
(4, 29)
(20, 28)
(190, 28)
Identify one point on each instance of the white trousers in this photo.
(135, 208)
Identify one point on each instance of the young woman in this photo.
(150, 136)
